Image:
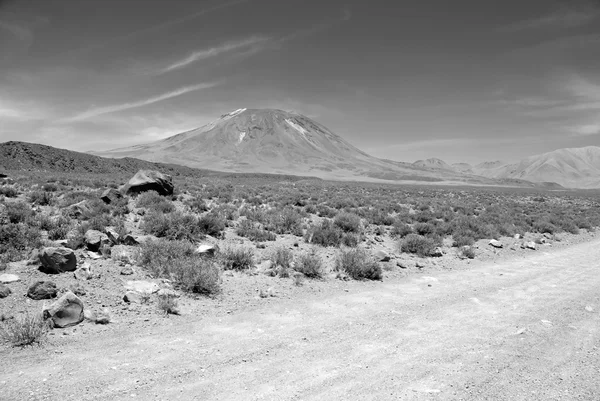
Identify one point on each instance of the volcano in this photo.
(280, 142)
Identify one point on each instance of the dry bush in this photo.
(168, 305)
(325, 234)
(211, 224)
(17, 240)
(418, 244)
(178, 261)
(249, 229)
(348, 222)
(358, 264)
(173, 226)
(27, 329)
(238, 258)
(309, 264)
(154, 202)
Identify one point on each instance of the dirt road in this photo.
(524, 329)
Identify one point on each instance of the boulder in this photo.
(94, 240)
(4, 291)
(67, 311)
(57, 260)
(113, 235)
(8, 278)
(403, 264)
(518, 236)
(42, 290)
(111, 195)
(207, 249)
(382, 256)
(149, 180)
(130, 240)
(531, 245)
(496, 244)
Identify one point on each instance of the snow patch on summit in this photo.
(236, 112)
(296, 126)
(242, 136)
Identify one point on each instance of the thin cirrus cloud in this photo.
(559, 19)
(140, 103)
(214, 52)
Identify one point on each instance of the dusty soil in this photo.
(518, 327)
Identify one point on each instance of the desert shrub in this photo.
(59, 229)
(358, 264)
(418, 244)
(50, 187)
(16, 240)
(467, 252)
(254, 214)
(282, 256)
(253, 232)
(41, 198)
(172, 226)
(543, 226)
(583, 224)
(348, 222)
(309, 264)
(424, 228)
(177, 261)
(70, 198)
(350, 239)
(286, 221)
(9, 191)
(154, 202)
(324, 234)
(197, 205)
(24, 330)
(18, 212)
(212, 224)
(238, 258)
(310, 209)
(226, 212)
(400, 229)
(326, 211)
(462, 240)
(168, 305)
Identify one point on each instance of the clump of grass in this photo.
(418, 244)
(17, 240)
(309, 264)
(401, 230)
(466, 252)
(238, 258)
(42, 198)
(9, 191)
(27, 329)
(283, 257)
(358, 264)
(178, 261)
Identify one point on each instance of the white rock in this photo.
(8, 278)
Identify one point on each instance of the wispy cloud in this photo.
(140, 103)
(253, 41)
(566, 18)
(585, 130)
(159, 27)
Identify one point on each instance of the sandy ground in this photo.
(521, 328)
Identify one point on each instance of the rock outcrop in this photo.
(149, 180)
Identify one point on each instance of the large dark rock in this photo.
(42, 290)
(66, 311)
(94, 240)
(149, 180)
(111, 195)
(57, 260)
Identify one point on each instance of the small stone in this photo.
(127, 271)
(132, 297)
(8, 278)
(4, 291)
(495, 243)
(382, 256)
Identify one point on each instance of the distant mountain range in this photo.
(571, 168)
(268, 141)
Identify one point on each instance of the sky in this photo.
(461, 80)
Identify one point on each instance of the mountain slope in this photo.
(275, 141)
(570, 167)
(433, 163)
